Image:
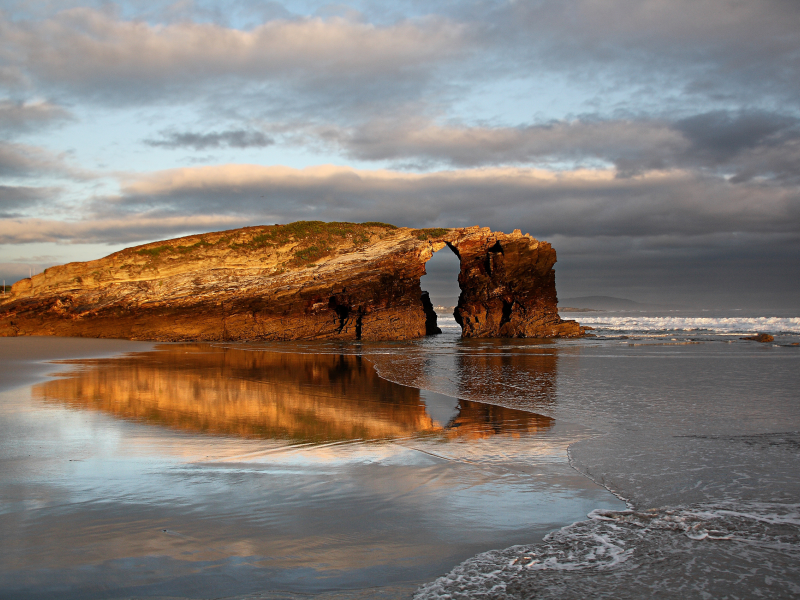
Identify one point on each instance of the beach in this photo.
(434, 468)
(200, 470)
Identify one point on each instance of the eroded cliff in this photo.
(305, 280)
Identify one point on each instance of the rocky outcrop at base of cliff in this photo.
(306, 280)
(508, 288)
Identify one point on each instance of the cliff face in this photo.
(508, 287)
(306, 280)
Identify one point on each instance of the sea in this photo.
(657, 458)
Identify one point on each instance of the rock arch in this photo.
(305, 280)
(507, 285)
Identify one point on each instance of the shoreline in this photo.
(32, 360)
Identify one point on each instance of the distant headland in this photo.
(303, 280)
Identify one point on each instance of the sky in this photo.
(654, 143)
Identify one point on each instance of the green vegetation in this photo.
(312, 232)
(379, 224)
(314, 239)
(431, 232)
(193, 247)
(156, 252)
(311, 254)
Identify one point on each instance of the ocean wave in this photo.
(697, 551)
(718, 325)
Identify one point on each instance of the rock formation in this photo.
(305, 280)
(764, 338)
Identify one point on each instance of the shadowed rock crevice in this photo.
(342, 312)
(431, 326)
(506, 317)
(305, 280)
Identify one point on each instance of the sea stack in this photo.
(304, 280)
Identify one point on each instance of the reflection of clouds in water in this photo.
(361, 482)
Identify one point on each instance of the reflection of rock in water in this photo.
(479, 420)
(251, 394)
(524, 378)
(234, 391)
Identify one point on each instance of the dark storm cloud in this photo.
(720, 135)
(726, 270)
(238, 138)
(749, 144)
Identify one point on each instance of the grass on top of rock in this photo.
(157, 251)
(429, 233)
(314, 231)
(315, 240)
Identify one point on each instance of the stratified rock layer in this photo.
(508, 287)
(306, 280)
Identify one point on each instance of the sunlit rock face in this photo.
(270, 395)
(508, 287)
(305, 280)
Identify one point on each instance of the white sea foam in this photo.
(717, 325)
(646, 549)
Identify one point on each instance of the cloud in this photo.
(14, 199)
(24, 160)
(739, 144)
(237, 138)
(23, 117)
(584, 202)
(723, 134)
(418, 139)
(747, 143)
(724, 270)
(674, 228)
(92, 53)
(713, 49)
(122, 230)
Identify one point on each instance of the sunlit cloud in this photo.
(19, 117)
(122, 230)
(583, 202)
(24, 160)
(90, 52)
(649, 129)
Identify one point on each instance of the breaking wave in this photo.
(714, 325)
(701, 551)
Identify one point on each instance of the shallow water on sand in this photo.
(197, 470)
(697, 428)
(349, 471)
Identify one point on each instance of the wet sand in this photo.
(197, 471)
(27, 360)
